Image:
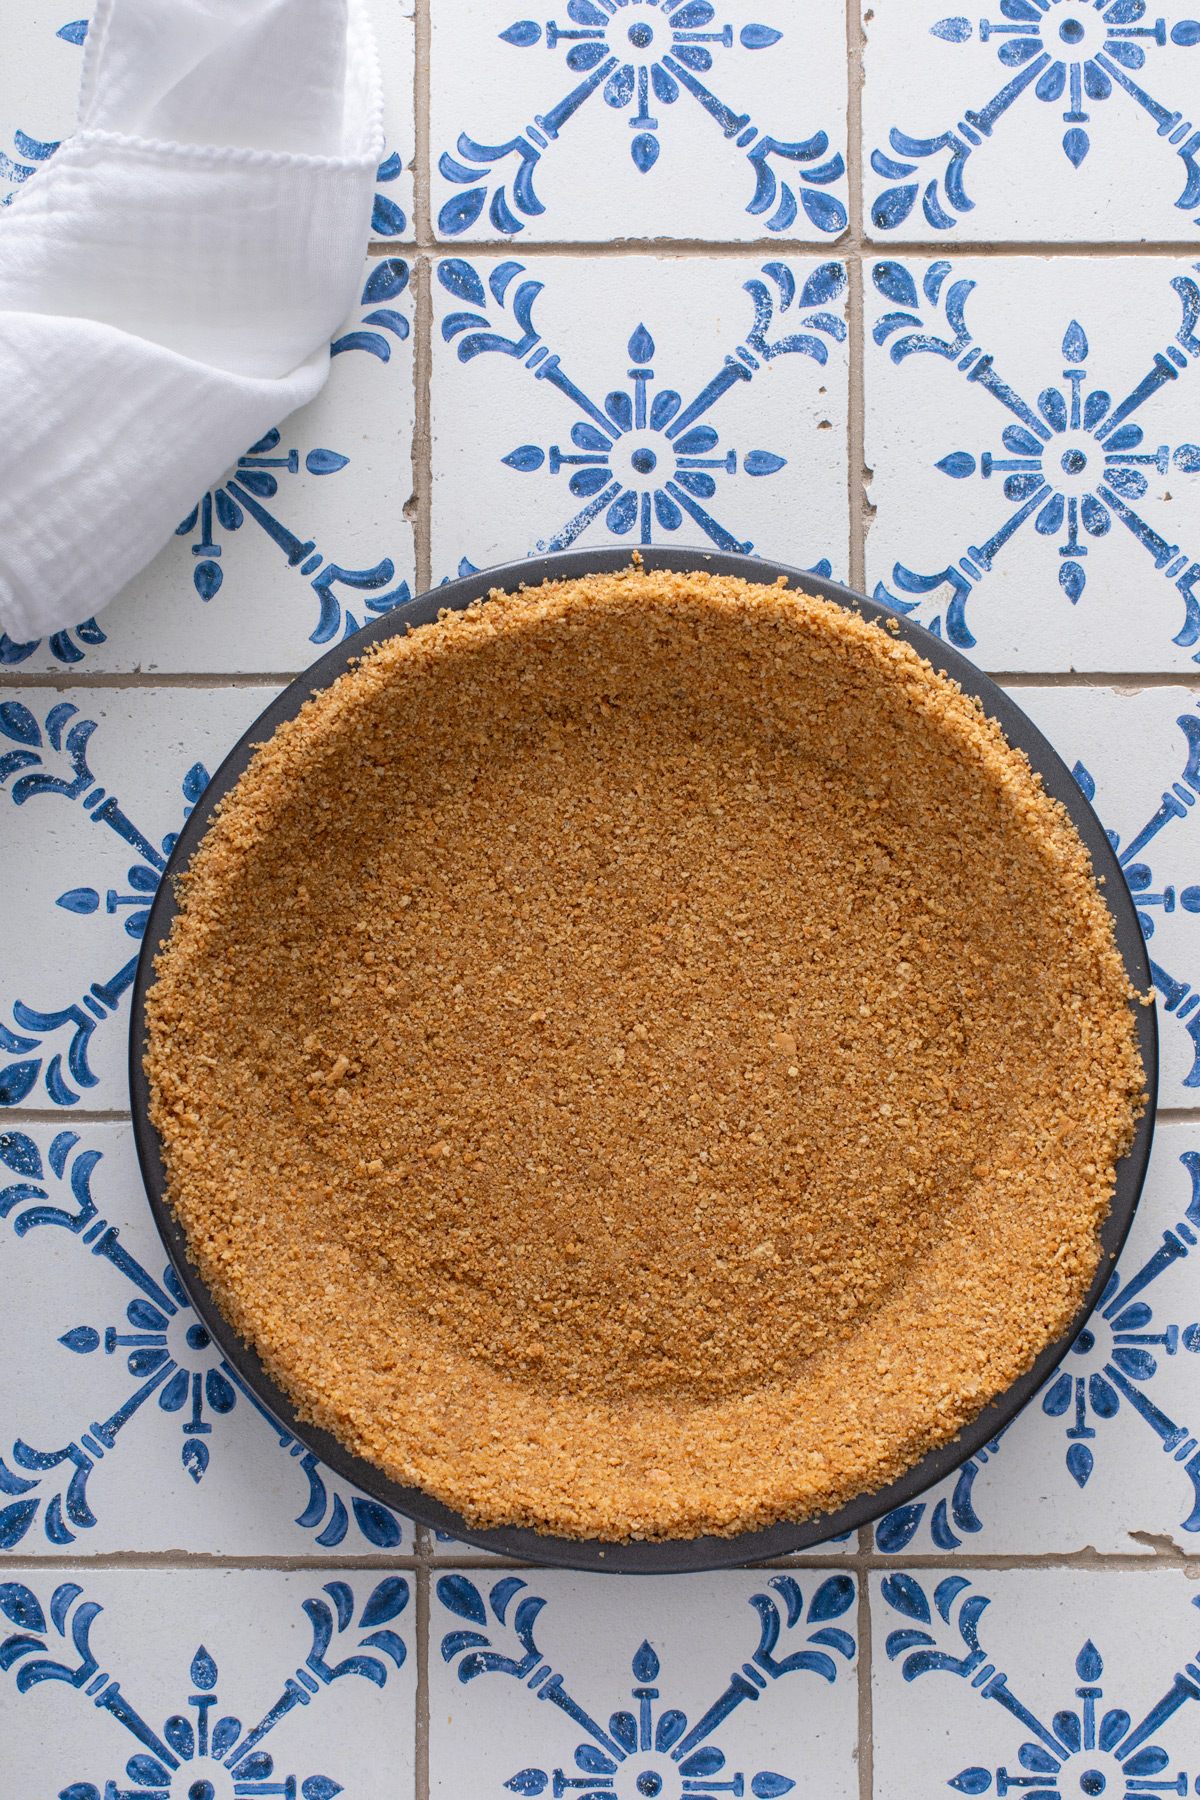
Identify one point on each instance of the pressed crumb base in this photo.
(643, 1058)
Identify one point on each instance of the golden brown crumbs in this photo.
(643, 1058)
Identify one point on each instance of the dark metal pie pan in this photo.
(675, 1555)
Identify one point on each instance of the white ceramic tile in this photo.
(299, 544)
(1035, 1683)
(1032, 432)
(39, 79)
(1108, 1449)
(1135, 752)
(121, 1427)
(1042, 119)
(646, 400)
(637, 1673)
(208, 1684)
(693, 120)
(78, 879)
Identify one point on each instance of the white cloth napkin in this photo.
(169, 282)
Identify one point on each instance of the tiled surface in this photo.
(1042, 120)
(1031, 426)
(647, 401)
(208, 1683)
(1083, 1680)
(693, 121)
(96, 782)
(638, 1677)
(824, 428)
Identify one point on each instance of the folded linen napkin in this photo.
(170, 280)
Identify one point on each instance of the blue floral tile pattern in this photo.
(167, 1684)
(122, 1427)
(650, 402)
(637, 1675)
(1031, 432)
(1041, 119)
(1136, 755)
(309, 523)
(599, 122)
(1048, 1682)
(94, 787)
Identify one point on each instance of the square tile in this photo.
(299, 544)
(1030, 429)
(693, 121)
(1039, 1681)
(39, 84)
(1108, 1448)
(639, 400)
(1067, 121)
(122, 1428)
(80, 876)
(637, 1673)
(211, 1684)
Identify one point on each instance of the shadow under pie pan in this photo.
(671, 1555)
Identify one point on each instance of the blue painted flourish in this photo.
(1090, 1748)
(497, 1636)
(640, 65)
(164, 1349)
(1072, 58)
(200, 1732)
(1072, 461)
(642, 458)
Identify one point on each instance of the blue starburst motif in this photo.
(641, 457)
(1069, 52)
(1091, 1747)
(200, 1750)
(651, 1750)
(1074, 460)
(641, 62)
(163, 1348)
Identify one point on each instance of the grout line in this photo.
(866, 1663)
(422, 449)
(861, 1562)
(858, 521)
(53, 1115)
(422, 33)
(421, 1732)
(818, 250)
(184, 1560)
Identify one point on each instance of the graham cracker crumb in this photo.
(643, 1057)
